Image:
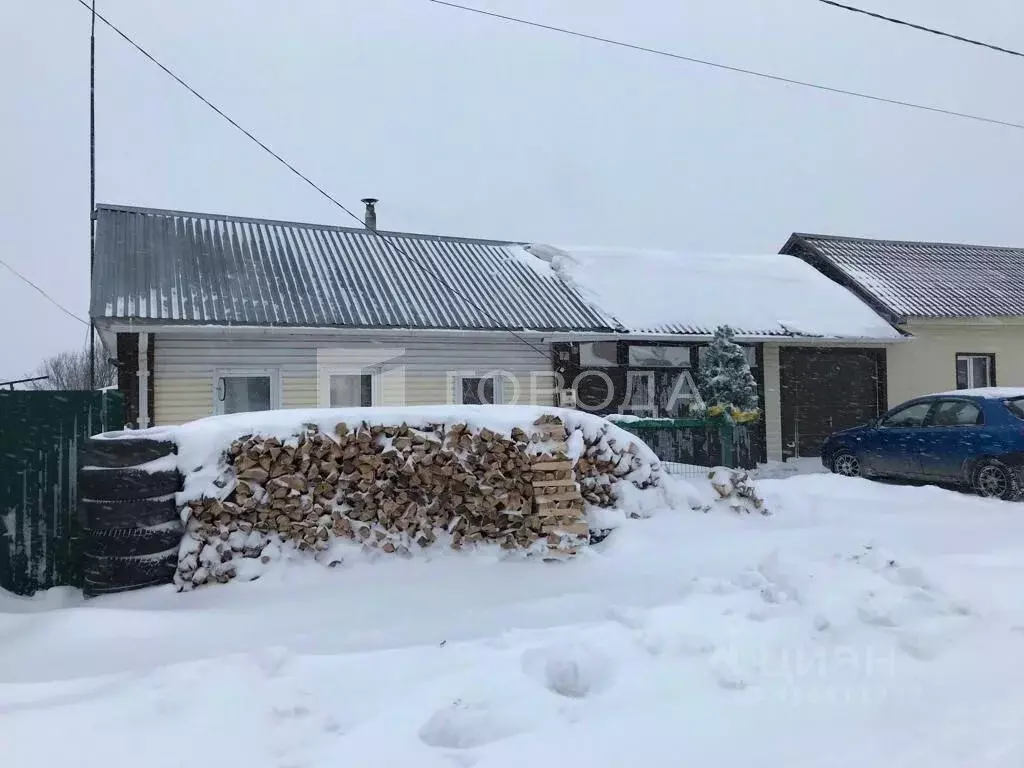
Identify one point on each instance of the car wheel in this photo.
(846, 464)
(994, 480)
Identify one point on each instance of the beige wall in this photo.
(186, 362)
(927, 364)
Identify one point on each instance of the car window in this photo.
(956, 413)
(911, 416)
(1016, 407)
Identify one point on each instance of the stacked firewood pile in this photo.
(398, 488)
(558, 502)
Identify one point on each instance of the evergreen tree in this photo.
(724, 378)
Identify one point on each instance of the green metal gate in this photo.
(39, 437)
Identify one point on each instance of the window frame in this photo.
(324, 373)
(907, 407)
(499, 394)
(617, 355)
(930, 419)
(990, 357)
(274, 374)
(686, 348)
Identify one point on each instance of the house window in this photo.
(477, 390)
(349, 390)
(599, 354)
(643, 356)
(244, 391)
(975, 370)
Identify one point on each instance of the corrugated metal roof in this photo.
(195, 268)
(914, 279)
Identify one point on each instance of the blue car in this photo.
(972, 438)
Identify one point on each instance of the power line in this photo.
(423, 269)
(729, 67)
(931, 30)
(47, 296)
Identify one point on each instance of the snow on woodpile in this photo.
(666, 292)
(261, 486)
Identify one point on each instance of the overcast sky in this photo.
(466, 125)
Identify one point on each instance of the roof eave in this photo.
(800, 243)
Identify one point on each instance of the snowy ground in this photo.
(862, 624)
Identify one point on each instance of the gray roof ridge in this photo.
(303, 224)
(889, 241)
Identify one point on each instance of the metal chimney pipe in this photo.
(370, 218)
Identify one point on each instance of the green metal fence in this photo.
(39, 437)
(695, 443)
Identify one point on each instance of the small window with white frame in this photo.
(245, 390)
(975, 370)
(348, 389)
(477, 390)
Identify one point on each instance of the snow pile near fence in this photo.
(332, 484)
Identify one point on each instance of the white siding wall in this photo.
(926, 363)
(772, 403)
(185, 363)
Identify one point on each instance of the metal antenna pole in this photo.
(92, 190)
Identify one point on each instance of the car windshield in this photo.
(1016, 406)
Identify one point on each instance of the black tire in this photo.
(104, 575)
(126, 484)
(126, 452)
(845, 463)
(132, 542)
(141, 513)
(994, 480)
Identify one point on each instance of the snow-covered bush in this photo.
(736, 490)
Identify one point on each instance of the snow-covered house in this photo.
(214, 314)
(963, 305)
(817, 351)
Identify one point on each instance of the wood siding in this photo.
(185, 364)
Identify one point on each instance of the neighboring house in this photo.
(216, 314)
(963, 305)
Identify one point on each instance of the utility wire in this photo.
(728, 67)
(47, 296)
(933, 31)
(423, 269)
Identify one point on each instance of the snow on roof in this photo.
(686, 293)
(989, 393)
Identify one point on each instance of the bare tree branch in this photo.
(70, 371)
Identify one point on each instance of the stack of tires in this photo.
(129, 517)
